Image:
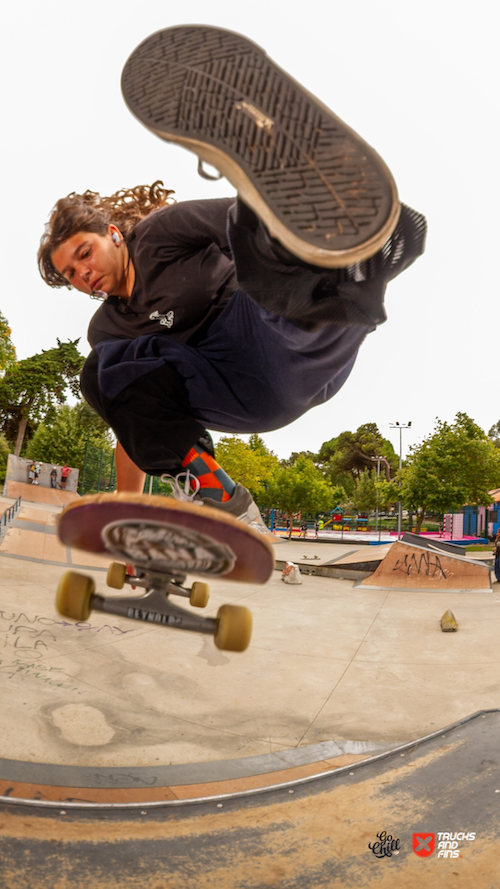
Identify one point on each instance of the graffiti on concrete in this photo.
(428, 564)
(26, 641)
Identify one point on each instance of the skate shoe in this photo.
(183, 486)
(322, 191)
(186, 487)
(243, 506)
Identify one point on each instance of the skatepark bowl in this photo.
(354, 744)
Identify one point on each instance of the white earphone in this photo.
(116, 238)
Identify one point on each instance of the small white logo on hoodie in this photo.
(167, 320)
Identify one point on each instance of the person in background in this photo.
(497, 555)
(65, 471)
(497, 543)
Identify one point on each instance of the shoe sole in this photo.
(322, 191)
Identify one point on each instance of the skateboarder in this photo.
(238, 315)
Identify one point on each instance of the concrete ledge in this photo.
(327, 571)
(192, 773)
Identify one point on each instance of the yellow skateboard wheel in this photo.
(200, 594)
(117, 573)
(73, 595)
(234, 628)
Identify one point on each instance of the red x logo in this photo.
(424, 844)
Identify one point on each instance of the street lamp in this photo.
(377, 461)
(400, 426)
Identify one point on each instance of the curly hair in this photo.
(93, 213)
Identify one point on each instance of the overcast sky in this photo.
(417, 81)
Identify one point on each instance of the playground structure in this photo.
(337, 522)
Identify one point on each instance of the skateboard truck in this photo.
(166, 540)
(76, 598)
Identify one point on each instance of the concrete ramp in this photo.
(39, 494)
(434, 543)
(365, 558)
(410, 567)
(421, 815)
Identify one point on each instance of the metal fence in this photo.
(98, 471)
(99, 474)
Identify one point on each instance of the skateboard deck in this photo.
(164, 539)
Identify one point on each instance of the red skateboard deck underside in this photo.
(81, 524)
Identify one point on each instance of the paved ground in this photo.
(347, 828)
(141, 756)
(328, 662)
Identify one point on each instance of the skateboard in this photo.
(164, 540)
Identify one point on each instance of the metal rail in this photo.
(9, 513)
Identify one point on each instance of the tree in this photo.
(494, 434)
(258, 445)
(7, 350)
(64, 437)
(31, 388)
(333, 473)
(344, 459)
(294, 456)
(300, 488)
(339, 496)
(457, 464)
(356, 451)
(4, 453)
(366, 496)
(252, 464)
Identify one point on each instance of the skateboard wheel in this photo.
(234, 628)
(200, 594)
(73, 595)
(117, 573)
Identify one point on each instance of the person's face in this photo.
(90, 262)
